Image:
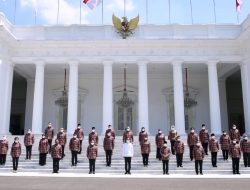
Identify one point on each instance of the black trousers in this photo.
(198, 164)
(165, 166)
(191, 149)
(127, 164)
(74, 158)
(80, 147)
(2, 159)
(28, 152)
(235, 165)
(246, 158)
(205, 147)
(108, 157)
(56, 165)
(42, 159)
(225, 154)
(179, 158)
(172, 147)
(91, 165)
(158, 153)
(15, 163)
(63, 155)
(145, 159)
(50, 144)
(214, 159)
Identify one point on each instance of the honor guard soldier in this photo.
(56, 154)
(172, 137)
(198, 155)
(110, 130)
(62, 138)
(108, 145)
(245, 148)
(179, 151)
(92, 155)
(204, 138)
(4, 146)
(165, 155)
(159, 141)
(15, 153)
(43, 149)
(235, 153)
(234, 133)
(93, 136)
(145, 151)
(142, 135)
(225, 144)
(192, 140)
(127, 154)
(80, 135)
(128, 134)
(49, 134)
(28, 142)
(214, 149)
(74, 147)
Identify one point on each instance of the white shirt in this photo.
(127, 150)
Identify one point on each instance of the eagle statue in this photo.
(125, 27)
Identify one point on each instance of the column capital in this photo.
(142, 62)
(177, 62)
(39, 62)
(73, 62)
(107, 62)
(212, 62)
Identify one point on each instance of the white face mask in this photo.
(92, 144)
(213, 137)
(93, 130)
(143, 130)
(43, 137)
(128, 129)
(245, 138)
(160, 132)
(74, 137)
(165, 145)
(61, 131)
(49, 125)
(127, 141)
(234, 142)
(198, 144)
(203, 128)
(79, 127)
(192, 131)
(224, 133)
(16, 141)
(234, 127)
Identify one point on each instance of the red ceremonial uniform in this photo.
(198, 153)
(29, 139)
(192, 139)
(165, 153)
(179, 147)
(225, 142)
(92, 152)
(74, 144)
(213, 145)
(62, 137)
(159, 140)
(43, 146)
(49, 133)
(204, 136)
(79, 133)
(108, 143)
(4, 146)
(16, 150)
(56, 151)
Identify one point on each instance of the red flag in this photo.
(238, 5)
(92, 3)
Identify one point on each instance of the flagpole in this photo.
(191, 8)
(80, 11)
(169, 12)
(102, 11)
(15, 13)
(57, 11)
(214, 13)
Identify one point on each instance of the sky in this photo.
(45, 12)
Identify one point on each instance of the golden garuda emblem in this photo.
(124, 27)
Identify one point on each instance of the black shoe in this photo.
(90, 172)
(167, 173)
(181, 166)
(129, 173)
(215, 166)
(93, 172)
(126, 173)
(201, 173)
(196, 173)
(238, 173)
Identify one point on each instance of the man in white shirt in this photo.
(127, 153)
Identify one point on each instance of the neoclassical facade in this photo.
(33, 60)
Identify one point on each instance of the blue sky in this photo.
(158, 11)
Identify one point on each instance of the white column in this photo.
(245, 80)
(29, 104)
(6, 92)
(73, 97)
(178, 98)
(214, 98)
(143, 96)
(107, 112)
(37, 118)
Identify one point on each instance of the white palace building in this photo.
(208, 66)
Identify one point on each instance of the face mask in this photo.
(192, 131)
(43, 137)
(145, 139)
(79, 127)
(93, 130)
(213, 137)
(128, 129)
(160, 132)
(245, 138)
(4, 138)
(127, 141)
(224, 134)
(203, 128)
(16, 141)
(29, 132)
(74, 137)
(198, 145)
(49, 125)
(234, 127)
(165, 145)
(143, 130)
(234, 142)
(92, 144)
(61, 131)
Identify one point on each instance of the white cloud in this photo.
(119, 4)
(47, 10)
